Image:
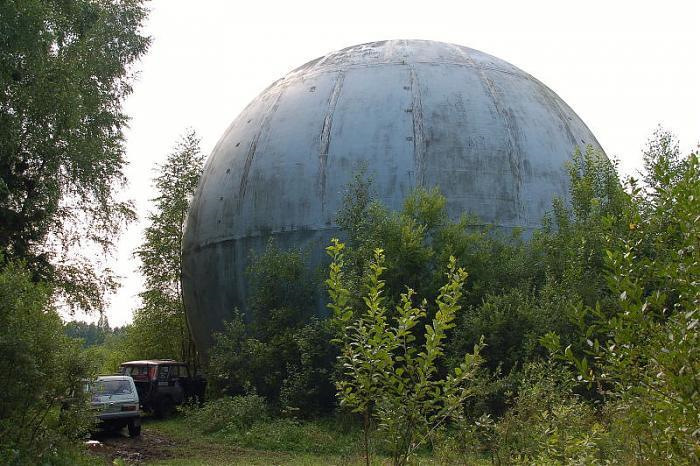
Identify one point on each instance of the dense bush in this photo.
(247, 421)
(512, 323)
(548, 422)
(42, 406)
(319, 436)
(642, 348)
(228, 413)
(279, 350)
(612, 276)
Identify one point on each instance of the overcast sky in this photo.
(623, 66)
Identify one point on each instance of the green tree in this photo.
(160, 327)
(386, 376)
(90, 333)
(65, 69)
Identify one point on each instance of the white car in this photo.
(116, 402)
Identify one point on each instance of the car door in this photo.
(178, 375)
(169, 383)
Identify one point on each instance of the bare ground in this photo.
(150, 446)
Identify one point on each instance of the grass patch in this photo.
(176, 441)
(277, 441)
(317, 437)
(328, 441)
(321, 436)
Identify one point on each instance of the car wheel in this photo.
(134, 428)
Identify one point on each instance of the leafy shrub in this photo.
(240, 364)
(548, 422)
(512, 323)
(318, 436)
(278, 350)
(296, 379)
(386, 376)
(246, 422)
(308, 389)
(228, 413)
(42, 405)
(643, 346)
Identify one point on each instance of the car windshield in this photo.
(134, 370)
(111, 387)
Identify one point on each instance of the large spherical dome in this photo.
(412, 113)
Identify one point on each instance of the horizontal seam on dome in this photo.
(302, 75)
(226, 239)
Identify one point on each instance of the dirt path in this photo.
(149, 446)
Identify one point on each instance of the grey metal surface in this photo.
(414, 113)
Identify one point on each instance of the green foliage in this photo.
(403, 235)
(283, 291)
(241, 364)
(246, 421)
(280, 351)
(418, 242)
(90, 333)
(641, 346)
(42, 409)
(65, 69)
(160, 328)
(386, 375)
(116, 348)
(308, 387)
(104, 348)
(293, 435)
(295, 378)
(573, 239)
(612, 275)
(228, 413)
(513, 322)
(609, 285)
(548, 423)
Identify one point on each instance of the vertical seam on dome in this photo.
(325, 137)
(513, 154)
(547, 94)
(264, 125)
(419, 146)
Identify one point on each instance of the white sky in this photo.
(623, 66)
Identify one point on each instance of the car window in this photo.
(163, 372)
(111, 387)
(135, 370)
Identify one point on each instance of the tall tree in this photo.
(160, 324)
(65, 69)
